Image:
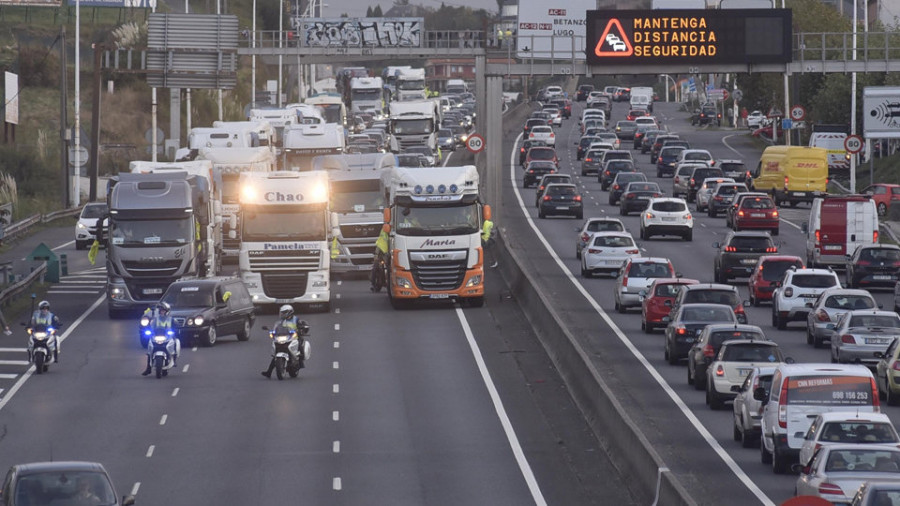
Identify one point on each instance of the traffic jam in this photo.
(738, 275)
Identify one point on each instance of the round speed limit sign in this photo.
(475, 143)
(853, 144)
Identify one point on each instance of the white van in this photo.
(798, 394)
(837, 225)
(833, 142)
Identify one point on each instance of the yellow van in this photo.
(792, 174)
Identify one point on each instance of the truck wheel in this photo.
(779, 462)
(210, 338)
(764, 456)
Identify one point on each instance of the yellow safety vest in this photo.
(486, 230)
(381, 244)
(335, 250)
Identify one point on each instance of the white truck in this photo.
(332, 107)
(367, 95)
(278, 118)
(832, 137)
(261, 132)
(302, 143)
(410, 85)
(227, 166)
(436, 217)
(642, 97)
(285, 230)
(214, 137)
(390, 74)
(415, 124)
(456, 87)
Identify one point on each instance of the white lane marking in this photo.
(508, 429)
(162, 421)
(337, 296)
(8, 377)
(337, 326)
(337, 310)
(175, 392)
(703, 224)
(150, 451)
(186, 367)
(790, 223)
(334, 365)
(10, 350)
(135, 488)
(335, 388)
(335, 415)
(339, 282)
(61, 246)
(336, 447)
(14, 362)
(725, 142)
(337, 344)
(336, 483)
(692, 418)
(194, 348)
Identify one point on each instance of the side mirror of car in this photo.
(735, 388)
(804, 228)
(715, 244)
(759, 394)
(789, 360)
(800, 468)
(878, 354)
(849, 257)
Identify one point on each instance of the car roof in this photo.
(712, 286)
(879, 246)
(63, 465)
(779, 258)
(748, 233)
(811, 270)
(874, 312)
(611, 233)
(743, 327)
(730, 161)
(824, 369)
(675, 281)
(650, 260)
(851, 416)
(204, 281)
(668, 199)
(707, 305)
(846, 291)
(738, 342)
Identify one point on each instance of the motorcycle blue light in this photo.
(418, 189)
(171, 333)
(442, 189)
(147, 332)
(454, 188)
(429, 188)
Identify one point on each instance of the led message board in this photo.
(688, 36)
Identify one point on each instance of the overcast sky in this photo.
(357, 8)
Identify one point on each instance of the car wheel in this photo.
(809, 336)
(747, 440)
(244, 334)
(775, 231)
(699, 380)
(712, 212)
(736, 433)
(577, 255)
(541, 214)
(753, 299)
(658, 173)
(579, 216)
(764, 456)
(712, 398)
(689, 236)
(690, 377)
(585, 273)
(210, 338)
(890, 398)
(779, 462)
(671, 358)
(780, 323)
(882, 209)
(622, 211)
(818, 342)
(79, 245)
(620, 308)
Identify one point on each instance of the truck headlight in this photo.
(474, 281)
(403, 283)
(116, 293)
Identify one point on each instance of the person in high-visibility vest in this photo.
(487, 242)
(377, 277)
(335, 249)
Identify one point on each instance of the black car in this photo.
(530, 122)
(707, 114)
(608, 172)
(584, 143)
(873, 266)
(637, 195)
(686, 323)
(536, 170)
(665, 162)
(649, 138)
(205, 308)
(61, 482)
(697, 177)
(640, 133)
(657, 145)
(720, 200)
(707, 347)
(561, 199)
(547, 181)
(620, 182)
(526, 145)
(739, 252)
(583, 91)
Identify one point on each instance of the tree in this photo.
(369, 12)
(376, 12)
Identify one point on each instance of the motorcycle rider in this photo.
(162, 321)
(300, 327)
(44, 317)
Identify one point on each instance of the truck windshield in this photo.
(151, 233)
(422, 221)
(331, 112)
(298, 161)
(366, 94)
(412, 126)
(230, 189)
(292, 223)
(411, 85)
(356, 197)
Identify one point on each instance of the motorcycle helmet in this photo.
(303, 327)
(165, 306)
(286, 311)
(44, 305)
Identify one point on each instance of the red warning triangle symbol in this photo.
(612, 43)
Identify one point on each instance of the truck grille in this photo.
(412, 141)
(137, 289)
(361, 230)
(438, 275)
(287, 261)
(361, 255)
(155, 269)
(284, 286)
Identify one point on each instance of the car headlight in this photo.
(198, 320)
(81, 226)
(403, 283)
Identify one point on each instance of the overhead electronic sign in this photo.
(688, 36)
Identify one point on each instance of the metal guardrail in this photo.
(14, 230)
(19, 287)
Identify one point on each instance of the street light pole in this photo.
(853, 103)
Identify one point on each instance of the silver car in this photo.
(592, 225)
(747, 410)
(636, 276)
(836, 472)
(682, 179)
(864, 333)
(825, 311)
(706, 190)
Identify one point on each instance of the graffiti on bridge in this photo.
(359, 32)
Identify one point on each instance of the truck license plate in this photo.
(152, 291)
(439, 296)
(832, 247)
(799, 194)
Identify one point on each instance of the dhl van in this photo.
(791, 174)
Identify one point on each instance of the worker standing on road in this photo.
(487, 242)
(377, 277)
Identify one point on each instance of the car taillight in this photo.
(730, 249)
(531, 135)
(546, 197)
(632, 252)
(552, 135)
(896, 365)
(875, 236)
(774, 214)
(681, 330)
(818, 235)
(677, 180)
(688, 216)
(740, 213)
(692, 182)
(818, 445)
(615, 187)
(739, 310)
(826, 488)
(577, 198)
(848, 339)
(709, 351)
(540, 189)
(589, 159)
(789, 291)
(521, 150)
(656, 195)
(786, 179)
(720, 371)
(772, 249)
(822, 316)
(782, 405)
(607, 173)
(876, 400)
(594, 251)
(585, 237)
(650, 216)
(629, 196)
(719, 198)
(863, 262)
(531, 171)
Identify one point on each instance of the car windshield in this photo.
(773, 270)
(188, 296)
(751, 353)
(870, 321)
(649, 270)
(94, 211)
(667, 289)
(863, 461)
(858, 432)
(717, 338)
(460, 219)
(814, 280)
(669, 206)
(605, 226)
(64, 488)
(849, 302)
(880, 255)
(727, 297)
(614, 241)
(707, 314)
(542, 154)
(750, 243)
(758, 203)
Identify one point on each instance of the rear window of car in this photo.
(814, 280)
(697, 156)
(542, 129)
(711, 296)
(667, 289)
(643, 187)
(620, 166)
(746, 352)
(542, 154)
(732, 167)
(605, 226)
(757, 203)
(717, 338)
(649, 270)
(849, 302)
(750, 243)
(827, 390)
(729, 189)
(586, 141)
(880, 255)
(539, 165)
(858, 432)
(669, 206)
(628, 177)
(594, 153)
(626, 124)
(707, 314)
(561, 190)
(555, 179)
(773, 270)
(617, 155)
(615, 241)
(701, 174)
(872, 320)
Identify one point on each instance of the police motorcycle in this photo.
(42, 342)
(160, 344)
(281, 354)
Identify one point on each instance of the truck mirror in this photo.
(387, 228)
(335, 221)
(804, 227)
(487, 212)
(232, 223)
(387, 215)
(232, 234)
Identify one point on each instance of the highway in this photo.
(435, 405)
(695, 442)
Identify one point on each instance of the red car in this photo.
(658, 301)
(637, 113)
(544, 153)
(756, 213)
(768, 271)
(884, 196)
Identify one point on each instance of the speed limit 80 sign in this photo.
(475, 143)
(853, 144)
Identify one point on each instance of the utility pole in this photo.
(94, 172)
(63, 118)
